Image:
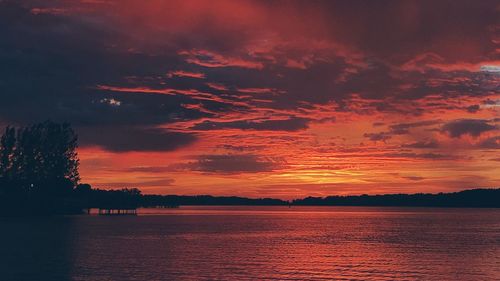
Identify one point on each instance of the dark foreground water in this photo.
(256, 243)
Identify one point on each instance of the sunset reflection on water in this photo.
(258, 243)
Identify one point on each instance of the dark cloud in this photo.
(473, 108)
(422, 144)
(108, 51)
(414, 178)
(241, 148)
(403, 128)
(51, 64)
(399, 129)
(490, 143)
(145, 182)
(291, 124)
(472, 127)
(121, 139)
(386, 28)
(431, 156)
(383, 136)
(235, 163)
(490, 102)
(149, 169)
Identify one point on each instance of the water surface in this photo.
(256, 243)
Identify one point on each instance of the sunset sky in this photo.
(280, 99)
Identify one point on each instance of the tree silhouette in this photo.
(41, 157)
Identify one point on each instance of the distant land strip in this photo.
(477, 198)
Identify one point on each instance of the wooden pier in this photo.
(167, 206)
(117, 212)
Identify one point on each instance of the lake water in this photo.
(256, 243)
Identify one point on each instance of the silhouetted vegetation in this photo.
(38, 169)
(132, 198)
(126, 198)
(480, 198)
(176, 200)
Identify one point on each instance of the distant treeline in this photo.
(132, 198)
(173, 200)
(481, 198)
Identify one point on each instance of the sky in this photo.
(280, 99)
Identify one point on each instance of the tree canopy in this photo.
(39, 156)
